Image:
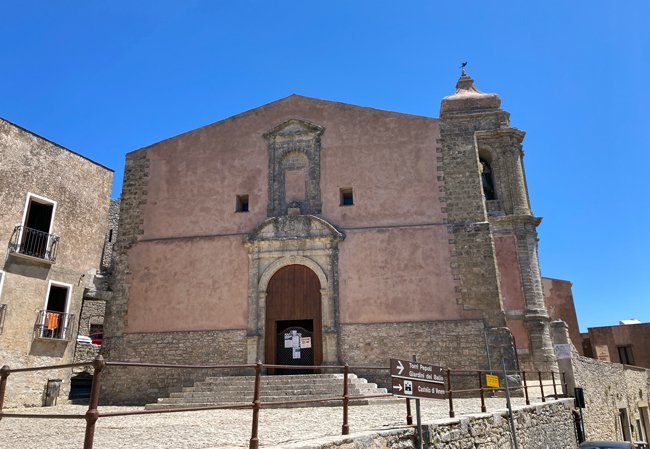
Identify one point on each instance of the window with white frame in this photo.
(54, 321)
(35, 236)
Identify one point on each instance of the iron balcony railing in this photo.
(54, 325)
(34, 243)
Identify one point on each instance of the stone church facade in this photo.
(370, 234)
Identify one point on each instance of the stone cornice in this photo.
(496, 134)
(513, 220)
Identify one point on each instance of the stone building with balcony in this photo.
(53, 213)
(371, 234)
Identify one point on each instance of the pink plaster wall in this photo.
(508, 264)
(387, 274)
(388, 159)
(187, 285)
(518, 329)
(511, 291)
(397, 275)
(635, 335)
(559, 303)
(294, 185)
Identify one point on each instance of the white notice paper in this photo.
(562, 351)
(288, 341)
(296, 353)
(305, 342)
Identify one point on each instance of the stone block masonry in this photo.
(537, 427)
(131, 385)
(454, 344)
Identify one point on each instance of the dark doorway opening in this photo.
(294, 345)
(57, 298)
(37, 228)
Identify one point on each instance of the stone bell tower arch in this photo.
(475, 137)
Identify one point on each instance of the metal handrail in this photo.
(54, 325)
(99, 364)
(34, 243)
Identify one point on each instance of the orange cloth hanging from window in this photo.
(52, 320)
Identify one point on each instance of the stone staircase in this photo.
(239, 390)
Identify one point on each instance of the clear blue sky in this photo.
(104, 78)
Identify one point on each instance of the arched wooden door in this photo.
(293, 327)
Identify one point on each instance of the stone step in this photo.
(239, 390)
(203, 386)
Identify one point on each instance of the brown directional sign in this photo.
(417, 371)
(418, 389)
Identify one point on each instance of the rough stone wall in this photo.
(131, 218)
(92, 312)
(131, 385)
(473, 253)
(543, 426)
(453, 344)
(111, 236)
(81, 190)
(473, 125)
(609, 387)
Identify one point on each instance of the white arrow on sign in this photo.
(398, 387)
(400, 367)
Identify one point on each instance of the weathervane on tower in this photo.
(462, 68)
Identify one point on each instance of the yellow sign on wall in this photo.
(492, 381)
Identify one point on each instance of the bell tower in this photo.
(487, 198)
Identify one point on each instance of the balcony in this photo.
(52, 325)
(33, 244)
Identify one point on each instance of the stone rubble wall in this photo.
(453, 344)
(544, 426)
(136, 385)
(609, 387)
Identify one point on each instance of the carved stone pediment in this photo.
(292, 129)
(294, 227)
(294, 155)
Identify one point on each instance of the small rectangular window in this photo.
(110, 235)
(242, 203)
(625, 355)
(347, 199)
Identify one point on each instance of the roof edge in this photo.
(56, 144)
(270, 104)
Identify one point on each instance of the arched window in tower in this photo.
(487, 181)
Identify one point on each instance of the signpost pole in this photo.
(512, 418)
(418, 416)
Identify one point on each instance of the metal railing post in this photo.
(541, 386)
(345, 429)
(565, 387)
(554, 388)
(92, 414)
(255, 441)
(451, 402)
(523, 374)
(409, 416)
(480, 386)
(4, 373)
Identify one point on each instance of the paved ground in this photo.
(218, 428)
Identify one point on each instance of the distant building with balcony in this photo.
(53, 214)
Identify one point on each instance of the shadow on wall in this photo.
(49, 348)
(27, 268)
